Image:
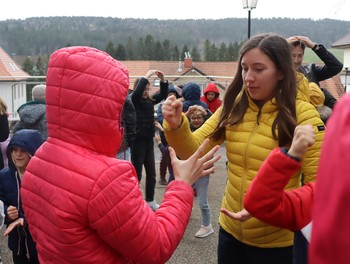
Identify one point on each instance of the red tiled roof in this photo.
(9, 70)
(220, 72)
(334, 86)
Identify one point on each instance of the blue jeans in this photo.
(201, 186)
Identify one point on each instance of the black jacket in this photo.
(129, 124)
(332, 66)
(145, 108)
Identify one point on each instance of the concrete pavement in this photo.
(192, 250)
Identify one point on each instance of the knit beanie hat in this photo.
(38, 92)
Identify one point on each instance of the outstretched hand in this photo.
(196, 166)
(241, 216)
(17, 222)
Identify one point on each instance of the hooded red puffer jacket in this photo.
(214, 104)
(83, 205)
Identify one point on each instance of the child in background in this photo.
(211, 97)
(165, 162)
(20, 150)
(197, 116)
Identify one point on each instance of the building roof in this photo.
(343, 42)
(220, 72)
(9, 70)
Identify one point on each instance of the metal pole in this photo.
(249, 23)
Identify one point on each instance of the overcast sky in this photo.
(178, 9)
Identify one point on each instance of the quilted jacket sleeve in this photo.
(267, 200)
(121, 217)
(307, 114)
(185, 148)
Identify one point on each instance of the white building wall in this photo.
(14, 94)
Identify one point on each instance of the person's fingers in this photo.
(225, 211)
(172, 153)
(210, 154)
(200, 151)
(228, 213)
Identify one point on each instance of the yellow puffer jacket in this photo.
(309, 92)
(303, 92)
(247, 146)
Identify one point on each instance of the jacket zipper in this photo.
(245, 169)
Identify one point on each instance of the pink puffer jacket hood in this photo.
(79, 82)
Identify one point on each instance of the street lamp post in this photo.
(249, 4)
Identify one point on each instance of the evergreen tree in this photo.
(130, 53)
(140, 50)
(195, 54)
(230, 52)
(28, 66)
(120, 52)
(149, 48)
(207, 50)
(158, 51)
(175, 54)
(223, 53)
(166, 50)
(110, 49)
(40, 67)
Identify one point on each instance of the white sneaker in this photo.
(204, 231)
(154, 206)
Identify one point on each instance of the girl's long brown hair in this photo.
(235, 102)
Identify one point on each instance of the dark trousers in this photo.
(300, 248)
(22, 259)
(165, 164)
(230, 250)
(143, 154)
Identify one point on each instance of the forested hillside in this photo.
(130, 37)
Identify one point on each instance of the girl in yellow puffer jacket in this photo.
(260, 112)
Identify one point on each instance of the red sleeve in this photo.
(267, 200)
(127, 223)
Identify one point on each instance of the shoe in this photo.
(154, 206)
(162, 182)
(204, 231)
